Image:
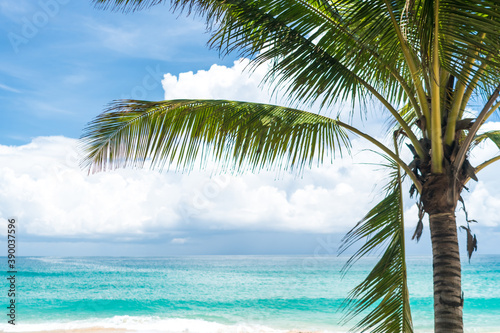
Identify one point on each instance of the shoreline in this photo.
(186, 326)
(122, 330)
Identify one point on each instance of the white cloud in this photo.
(483, 201)
(44, 188)
(42, 185)
(483, 205)
(487, 149)
(327, 199)
(219, 82)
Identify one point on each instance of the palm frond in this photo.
(320, 50)
(126, 5)
(462, 23)
(311, 47)
(354, 38)
(492, 135)
(239, 135)
(384, 292)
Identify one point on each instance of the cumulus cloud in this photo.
(220, 82)
(43, 186)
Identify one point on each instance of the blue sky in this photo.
(63, 61)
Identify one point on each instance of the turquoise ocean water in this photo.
(220, 294)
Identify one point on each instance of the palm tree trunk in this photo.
(448, 301)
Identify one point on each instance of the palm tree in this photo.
(425, 61)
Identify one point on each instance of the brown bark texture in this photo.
(440, 196)
(448, 300)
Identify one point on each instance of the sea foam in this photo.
(147, 324)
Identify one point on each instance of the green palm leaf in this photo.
(492, 135)
(243, 135)
(357, 38)
(306, 42)
(384, 292)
